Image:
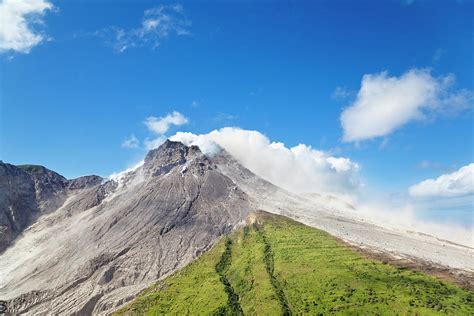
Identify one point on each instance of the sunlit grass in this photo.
(278, 266)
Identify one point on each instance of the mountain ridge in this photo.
(28, 191)
(110, 239)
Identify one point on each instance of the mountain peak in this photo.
(169, 155)
(84, 182)
(42, 173)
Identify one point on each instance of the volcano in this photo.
(90, 245)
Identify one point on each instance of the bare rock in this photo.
(84, 182)
(18, 205)
(109, 241)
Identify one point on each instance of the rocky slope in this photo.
(87, 246)
(108, 241)
(27, 191)
(342, 220)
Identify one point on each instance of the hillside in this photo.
(87, 245)
(275, 265)
(90, 245)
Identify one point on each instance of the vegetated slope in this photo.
(277, 266)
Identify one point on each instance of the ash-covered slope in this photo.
(108, 241)
(27, 191)
(342, 220)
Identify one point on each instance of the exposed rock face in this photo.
(84, 182)
(18, 205)
(169, 155)
(27, 191)
(50, 187)
(109, 241)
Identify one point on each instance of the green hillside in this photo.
(278, 266)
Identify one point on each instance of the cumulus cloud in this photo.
(161, 125)
(158, 126)
(19, 24)
(456, 184)
(385, 103)
(131, 142)
(298, 169)
(157, 24)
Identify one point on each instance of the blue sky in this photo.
(69, 101)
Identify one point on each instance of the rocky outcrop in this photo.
(84, 182)
(169, 155)
(18, 205)
(50, 187)
(27, 191)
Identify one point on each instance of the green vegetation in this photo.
(279, 267)
(233, 306)
(269, 260)
(196, 289)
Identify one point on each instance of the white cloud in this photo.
(303, 169)
(18, 21)
(458, 183)
(298, 169)
(340, 164)
(131, 142)
(158, 126)
(384, 103)
(157, 24)
(162, 124)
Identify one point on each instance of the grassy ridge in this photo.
(280, 267)
(322, 276)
